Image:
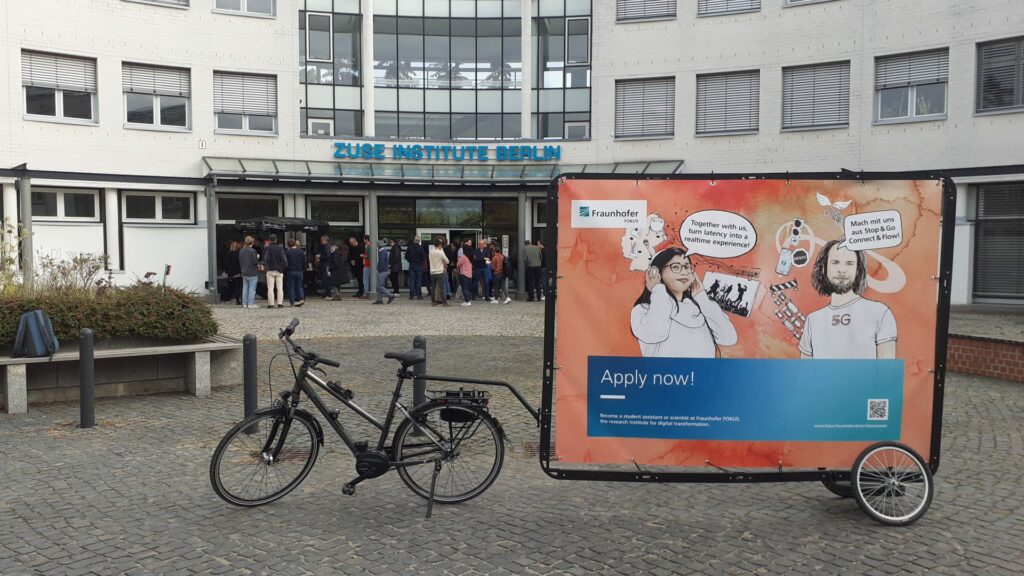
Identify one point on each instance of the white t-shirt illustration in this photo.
(849, 331)
(665, 332)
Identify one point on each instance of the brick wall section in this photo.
(986, 357)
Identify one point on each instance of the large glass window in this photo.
(561, 74)
(329, 70)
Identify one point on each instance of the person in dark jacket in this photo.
(277, 265)
(338, 270)
(247, 263)
(395, 260)
(417, 259)
(233, 269)
(296, 270)
(355, 266)
(481, 262)
(383, 268)
(323, 255)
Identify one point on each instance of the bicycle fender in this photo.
(298, 413)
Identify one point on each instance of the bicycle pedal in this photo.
(333, 413)
(361, 445)
(348, 490)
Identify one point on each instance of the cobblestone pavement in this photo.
(132, 496)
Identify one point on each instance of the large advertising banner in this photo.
(744, 323)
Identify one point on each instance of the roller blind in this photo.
(244, 94)
(58, 71)
(999, 242)
(143, 79)
(1001, 74)
(709, 7)
(817, 95)
(910, 69)
(645, 107)
(728, 102)
(635, 9)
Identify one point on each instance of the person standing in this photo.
(481, 260)
(395, 260)
(337, 268)
(277, 265)
(367, 249)
(542, 274)
(438, 263)
(247, 265)
(466, 277)
(296, 268)
(500, 265)
(323, 256)
(531, 256)
(416, 258)
(383, 268)
(355, 266)
(234, 272)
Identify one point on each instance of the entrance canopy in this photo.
(301, 170)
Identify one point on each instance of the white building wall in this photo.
(63, 240)
(150, 248)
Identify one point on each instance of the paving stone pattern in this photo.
(132, 496)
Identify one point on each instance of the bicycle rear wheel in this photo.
(244, 470)
(464, 438)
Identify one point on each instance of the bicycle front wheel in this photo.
(466, 441)
(245, 470)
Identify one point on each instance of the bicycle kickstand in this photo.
(433, 485)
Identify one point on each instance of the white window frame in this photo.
(791, 3)
(164, 3)
(912, 115)
(573, 124)
(536, 204)
(58, 116)
(245, 10)
(159, 219)
(357, 199)
(330, 19)
(60, 217)
(590, 46)
(277, 198)
(245, 131)
(156, 125)
(311, 121)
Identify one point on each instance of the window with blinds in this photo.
(246, 102)
(911, 86)
(58, 87)
(999, 242)
(183, 3)
(641, 9)
(816, 96)
(716, 7)
(645, 107)
(1000, 82)
(156, 95)
(145, 79)
(728, 103)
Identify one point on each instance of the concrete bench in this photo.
(198, 367)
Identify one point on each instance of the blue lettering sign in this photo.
(502, 153)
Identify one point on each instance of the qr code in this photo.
(878, 409)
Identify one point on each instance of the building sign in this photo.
(447, 153)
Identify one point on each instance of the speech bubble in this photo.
(717, 234)
(873, 230)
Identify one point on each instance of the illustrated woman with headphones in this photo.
(674, 317)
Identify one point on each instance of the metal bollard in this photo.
(419, 385)
(249, 377)
(86, 379)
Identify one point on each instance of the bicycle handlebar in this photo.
(311, 358)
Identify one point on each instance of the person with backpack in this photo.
(277, 265)
(247, 264)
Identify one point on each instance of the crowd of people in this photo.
(465, 273)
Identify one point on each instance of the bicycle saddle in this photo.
(414, 356)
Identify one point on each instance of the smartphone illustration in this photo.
(785, 262)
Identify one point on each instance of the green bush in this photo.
(140, 310)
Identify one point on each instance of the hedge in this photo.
(140, 311)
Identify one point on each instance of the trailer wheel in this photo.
(892, 483)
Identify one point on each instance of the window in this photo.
(319, 38)
(577, 41)
(181, 3)
(728, 103)
(911, 86)
(577, 130)
(642, 9)
(321, 127)
(816, 96)
(645, 108)
(245, 103)
(156, 95)
(231, 207)
(157, 207)
(59, 87)
(798, 2)
(716, 7)
(999, 241)
(336, 211)
(248, 7)
(1000, 75)
(65, 204)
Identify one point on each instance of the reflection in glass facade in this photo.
(561, 40)
(329, 52)
(447, 70)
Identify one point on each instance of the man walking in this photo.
(355, 266)
(383, 268)
(416, 258)
(438, 264)
(531, 256)
(296, 268)
(395, 259)
(247, 263)
(277, 265)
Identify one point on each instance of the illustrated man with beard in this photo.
(850, 326)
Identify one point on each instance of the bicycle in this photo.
(269, 453)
